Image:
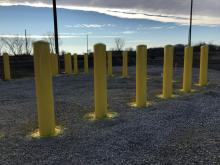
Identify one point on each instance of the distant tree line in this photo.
(23, 46)
(17, 45)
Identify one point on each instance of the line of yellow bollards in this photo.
(46, 66)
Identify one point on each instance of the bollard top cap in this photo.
(142, 46)
(99, 44)
(204, 46)
(40, 42)
(189, 47)
(5, 54)
(169, 45)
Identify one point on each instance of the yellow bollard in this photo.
(109, 56)
(187, 75)
(68, 64)
(141, 76)
(54, 60)
(75, 62)
(86, 63)
(100, 81)
(203, 78)
(125, 65)
(168, 72)
(6, 67)
(44, 88)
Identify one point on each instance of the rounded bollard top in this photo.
(40, 42)
(169, 46)
(5, 54)
(142, 46)
(189, 47)
(204, 46)
(99, 45)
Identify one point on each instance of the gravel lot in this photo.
(183, 130)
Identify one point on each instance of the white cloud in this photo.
(128, 32)
(89, 26)
(156, 27)
(206, 12)
(62, 36)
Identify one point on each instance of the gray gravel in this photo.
(183, 130)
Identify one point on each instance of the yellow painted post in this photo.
(125, 65)
(187, 75)
(68, 64)
(44, 88)
(54, 60)
(141, 76)
(86, 63)
(6, 67)
(100, 81)
(75, 62)
(109, 56)
(203, 77)
(168, 72)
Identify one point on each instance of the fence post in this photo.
(203, 77)
(109, 56)
(141, 76)
(6, 67)
(168, 72)
(187, 74)
(100, 81)
(75, 61)
(44, 89)
(86, 63)
(68, 64)
(125, 65)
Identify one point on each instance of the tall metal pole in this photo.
(55, 27)
(26, 43)
(87, 39)
(190, 27)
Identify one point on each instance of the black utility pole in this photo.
(190, 27)
(55, 27)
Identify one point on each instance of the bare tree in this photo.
(119, 44)
(51, 40)
(1, 46)
(14, 45)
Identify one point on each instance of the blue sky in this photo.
(101, 27)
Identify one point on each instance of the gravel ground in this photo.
(183, 130)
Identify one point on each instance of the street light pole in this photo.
(190, 27)
(55, 27)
